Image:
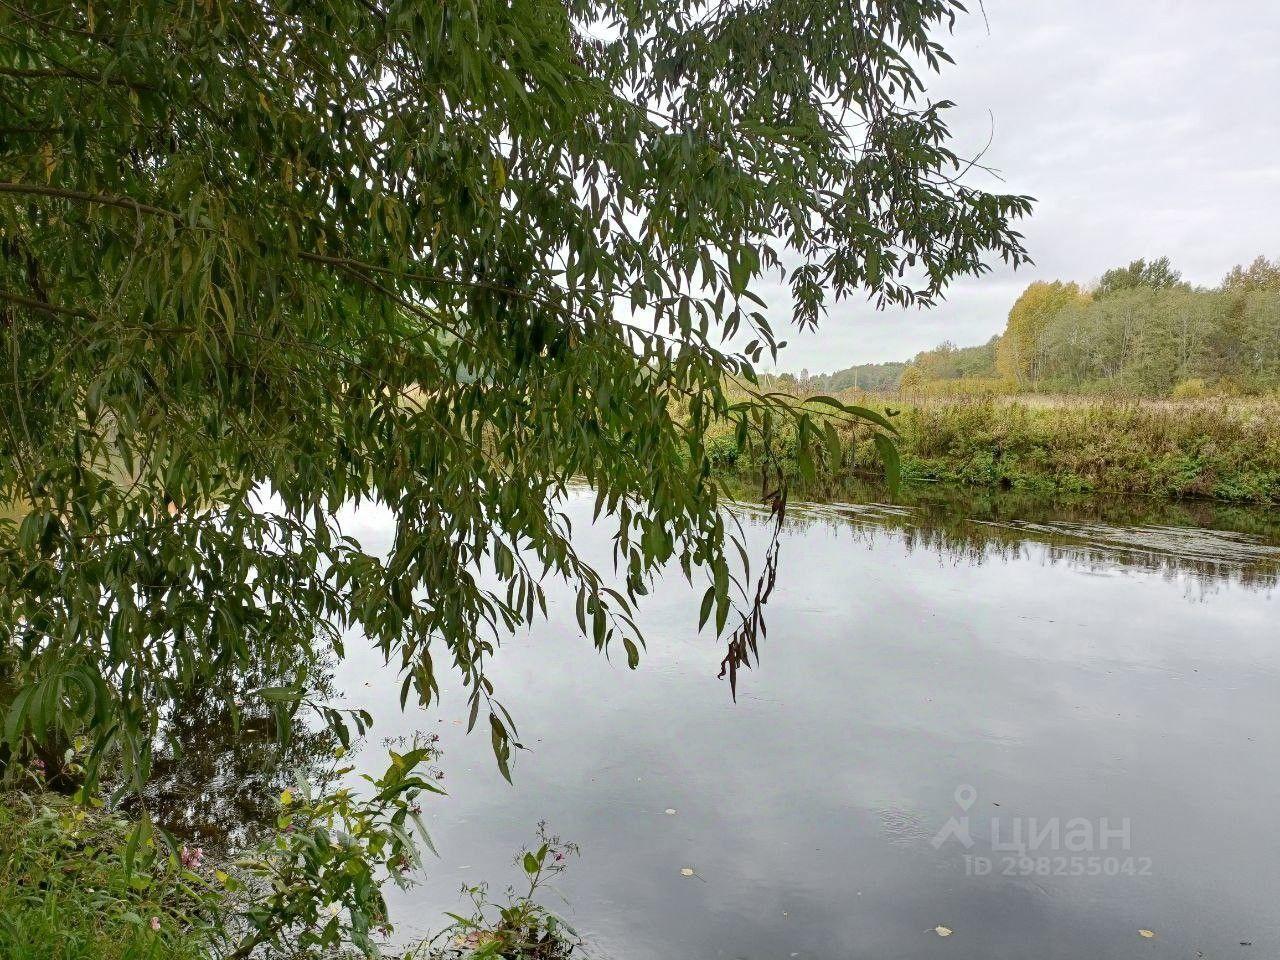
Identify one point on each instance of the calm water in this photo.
(994, 660)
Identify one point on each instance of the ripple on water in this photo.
(1187, 543)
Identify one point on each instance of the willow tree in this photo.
(263, 258)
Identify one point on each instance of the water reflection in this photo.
(1171, 539)
(216, 780)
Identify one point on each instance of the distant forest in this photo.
(1139, 329)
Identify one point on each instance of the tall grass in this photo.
(1223, 449)
(65, 893)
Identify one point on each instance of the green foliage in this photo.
(1019, 353)
(949, 362)
(1156, 275)
(1224, 450)
(1143, 332)
(944, 362)
(1261, 275)
(862, 376)
(316, 887)
(782, 451)
(249, 250)
(1146, 341)
(1192, 389)
(916, 386)
(76, 882)
(66, 892)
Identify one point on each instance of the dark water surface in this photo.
(1111, 669)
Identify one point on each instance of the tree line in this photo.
(1139, 329)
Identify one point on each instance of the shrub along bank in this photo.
(1224, 450)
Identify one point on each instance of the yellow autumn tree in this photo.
(1018, 353)
(912, 379)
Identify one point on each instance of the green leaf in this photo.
(501, 746)
(289, 694)
(868, 414)
(708, 604)
(15, 718)
(888, 451)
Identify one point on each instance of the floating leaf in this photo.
(942, 931)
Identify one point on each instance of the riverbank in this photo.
(1221, 449)
(79, 883)
(72, 889)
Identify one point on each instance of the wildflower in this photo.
(192, 857)
(37, 765)
(155, 923)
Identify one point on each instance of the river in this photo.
(980, 728)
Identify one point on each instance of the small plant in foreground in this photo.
(518, 929)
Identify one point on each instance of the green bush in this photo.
(517, 928)
(723, 451)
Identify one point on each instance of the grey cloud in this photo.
(1142, 127)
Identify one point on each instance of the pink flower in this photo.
(191, 858)
(155, 923)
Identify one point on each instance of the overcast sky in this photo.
(1142, 128)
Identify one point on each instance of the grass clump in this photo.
(66, 892)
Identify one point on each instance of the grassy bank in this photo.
(1224, 449)
(75, 886)
(66, 894)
